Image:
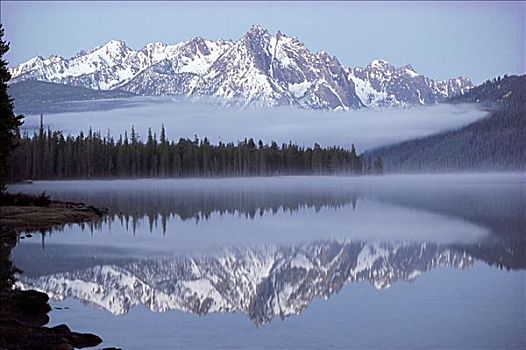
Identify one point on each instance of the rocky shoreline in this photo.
(24, 313)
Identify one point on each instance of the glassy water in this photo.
(427, 261)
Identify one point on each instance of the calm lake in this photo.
(405, 261)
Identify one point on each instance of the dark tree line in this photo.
(9, 122)
(49, 154)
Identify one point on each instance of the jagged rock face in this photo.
(381, 84)
(261, 283)
(244, 73)
(179, 72)
(35, 63)
(113, 64)
(259, 69)
(100, 68)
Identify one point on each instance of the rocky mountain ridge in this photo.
(259, 69)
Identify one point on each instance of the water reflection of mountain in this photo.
(500, 207)
(261, 283)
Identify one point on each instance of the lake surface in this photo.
(427, 261)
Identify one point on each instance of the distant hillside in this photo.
(33, 97)
(508, 92)
(497, 142)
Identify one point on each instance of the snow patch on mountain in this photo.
(259, 69)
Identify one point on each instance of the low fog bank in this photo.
(365, 128)
(421, 208)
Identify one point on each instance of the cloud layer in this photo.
(185, 118)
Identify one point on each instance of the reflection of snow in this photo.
(261, 283)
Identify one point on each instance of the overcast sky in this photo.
(441, 40)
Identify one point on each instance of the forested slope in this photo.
(497, 142)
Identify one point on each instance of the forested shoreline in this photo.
(48, 154)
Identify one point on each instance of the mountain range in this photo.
(259, 69)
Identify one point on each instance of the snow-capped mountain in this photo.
(109, 66)
(277, 70)
(34, 63)
(382, 84)
(261, 283)
(258, 69)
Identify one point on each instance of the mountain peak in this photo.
(256, 31)
(55, 58)
(35, 59)
(155, 44)
(198, 45)
(379, 63)
(409, 67)
(257, 28)
(256, 39)
(117, 44)
(112, 46)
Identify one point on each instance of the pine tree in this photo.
(9, 122)
(49, 155)
(378, 165)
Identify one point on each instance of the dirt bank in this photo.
(23, 314)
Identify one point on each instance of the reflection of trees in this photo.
(158, 206)
(500, 208)
(497, 253)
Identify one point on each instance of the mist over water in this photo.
(316, 252)
(197, 215)
(366, 128)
